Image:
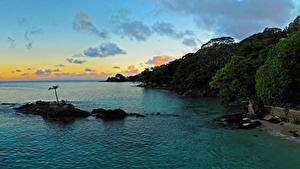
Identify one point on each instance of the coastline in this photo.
(284, 129)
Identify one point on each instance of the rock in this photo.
(294, 133)
(237, 121)
(246, 124)
(52, 110)
(116, 114)
(136, 115)
(272, 119)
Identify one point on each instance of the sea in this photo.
(192, 140)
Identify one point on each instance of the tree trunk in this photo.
(56, 96)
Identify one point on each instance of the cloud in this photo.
(32, 32)
(89, 70)
(12, 42)
(131, 68)
(160, 60)
(167, 29)
(104, 50)
(75, 61)
(190, 42)
(39, 72)
(82, 76)
(135, 30)
(82, 23)
(18, 70)
(236, 18)
(24, 74)
(28, 45)
(116, 67)
(21, 21)
(50, 71)
(60, 65)
(27, 36)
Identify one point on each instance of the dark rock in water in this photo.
(294, 133)
(116, 114)
(11, 104)
(237, 121)
(52, 110)
(136, 115)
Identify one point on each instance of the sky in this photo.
(95, 39)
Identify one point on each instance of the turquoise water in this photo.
(188, 141)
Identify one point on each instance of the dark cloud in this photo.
(50, 70)
(190, 42)
(89, 70)
(104, 50)
(167, 29)
(82, 23)
(18, 70)
(75, 61)
(116, 67)
(12, 42)
(39, 72)
(236, 18)
(135, 30)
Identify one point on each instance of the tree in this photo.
(278, 80)
(294, 26)
(55, 88)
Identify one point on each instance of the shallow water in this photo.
(188, 141)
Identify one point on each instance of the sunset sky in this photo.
(93, 39)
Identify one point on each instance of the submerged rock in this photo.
(52, 110)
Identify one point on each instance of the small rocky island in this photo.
(63, 111)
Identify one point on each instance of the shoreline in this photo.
(284, 129)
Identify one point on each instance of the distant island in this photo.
(120, 78)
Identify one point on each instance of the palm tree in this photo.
(54, 88)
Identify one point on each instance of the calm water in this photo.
(188, 141)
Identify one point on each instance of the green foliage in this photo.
(235, 79)
(294, 26)
(278, 80)
(196, 70)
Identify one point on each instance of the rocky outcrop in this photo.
(117, 114)
(52, 110)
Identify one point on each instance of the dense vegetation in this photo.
(263, 68)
